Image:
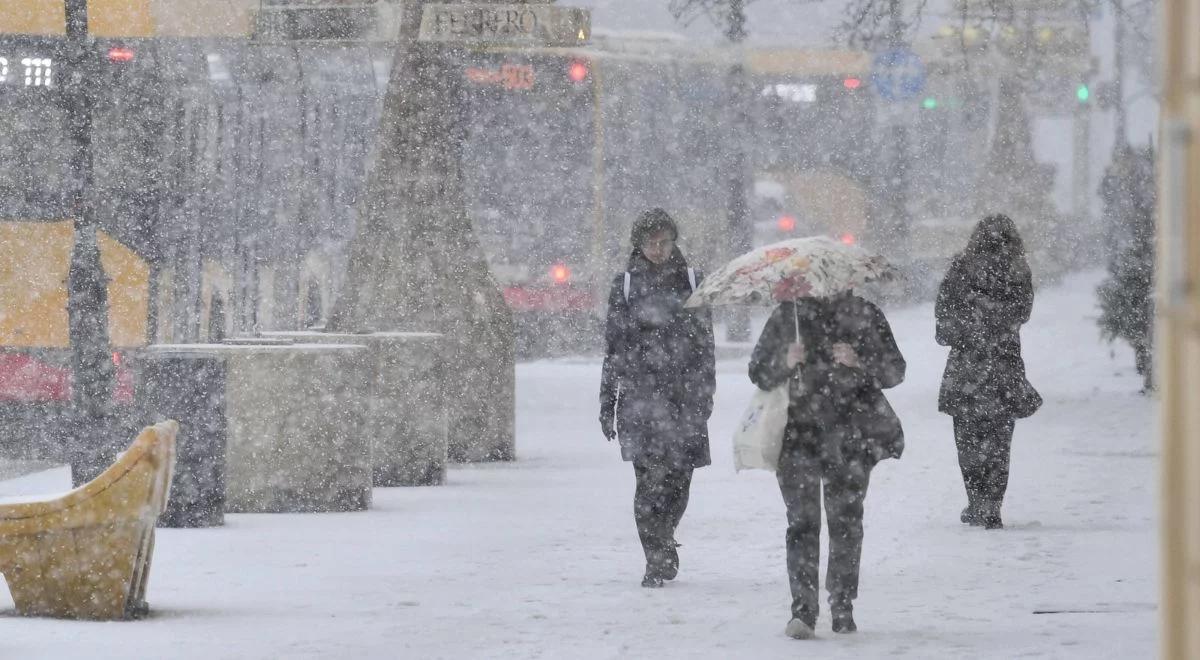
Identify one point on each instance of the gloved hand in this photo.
(607, 425)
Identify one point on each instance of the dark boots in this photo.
(842, 611)
(662, 565)
(990, 515)
(982, 514)
(670, 564)
(840, 608)
(844, 622)
(970, 516)
(652, 579)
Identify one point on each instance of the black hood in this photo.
(651, 222)
(994, 259)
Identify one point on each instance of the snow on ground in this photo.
(539, 558)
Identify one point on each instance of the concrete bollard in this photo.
(295, 422)
(406, 411)
(190, 389)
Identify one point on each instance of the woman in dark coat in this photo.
(656, 390)
(984, 299)
(839, 426)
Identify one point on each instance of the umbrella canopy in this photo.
(816, 266)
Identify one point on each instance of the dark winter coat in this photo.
(828, 396)
(981, 305)
(659, 371)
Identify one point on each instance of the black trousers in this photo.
(801, 473)
(984, 446)
(659, 500)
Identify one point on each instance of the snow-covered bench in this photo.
(86, 554)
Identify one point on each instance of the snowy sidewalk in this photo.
(540, 559)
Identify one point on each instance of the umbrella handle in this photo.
(796, 326)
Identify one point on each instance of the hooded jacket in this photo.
(985, 298)
(659, 372)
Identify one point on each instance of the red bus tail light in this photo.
(120, 55)
(577, 71)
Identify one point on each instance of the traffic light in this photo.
(1083, 93)
(930, 103)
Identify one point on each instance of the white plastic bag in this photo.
(758, 439)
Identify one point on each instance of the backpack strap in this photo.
(627, 278)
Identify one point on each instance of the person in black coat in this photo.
(839, 426)
(657, 385)
(986, 296)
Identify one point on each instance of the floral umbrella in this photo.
(801, 267)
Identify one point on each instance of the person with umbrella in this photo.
(657, 385)
(834, 351)
(986, 296)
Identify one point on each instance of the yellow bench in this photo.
(86, 554)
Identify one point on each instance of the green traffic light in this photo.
(1083, 93)
(929, 103)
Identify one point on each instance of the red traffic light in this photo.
(848, 239)
(120, 54)
(560, 273)
(852, 83)
(577, 71)
(787, 223)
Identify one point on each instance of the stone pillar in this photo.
(188, 387)
(406, 408)
(295, 425)
(415, 263)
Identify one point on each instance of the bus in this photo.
(233, 139)
(591, 137)
(36, 238)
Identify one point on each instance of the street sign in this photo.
(339, 20)
(506, 24)
(897, 74)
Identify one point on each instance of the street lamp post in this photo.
(87, 292)
(896, 183)
(1119, 74)
(737, 208)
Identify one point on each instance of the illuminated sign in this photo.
(27, 71)
(508, 76)
(795, 93)
(523, 24)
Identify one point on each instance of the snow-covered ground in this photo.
(539, 558)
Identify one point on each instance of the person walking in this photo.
(983, 301)
(657, 385)
(839, 426)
